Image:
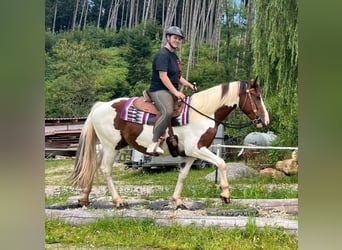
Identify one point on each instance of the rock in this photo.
(288, 166)
(271, 171)
(235, 170)
(259, 139)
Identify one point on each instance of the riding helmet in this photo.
(174, 30)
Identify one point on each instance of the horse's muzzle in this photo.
(260, 123)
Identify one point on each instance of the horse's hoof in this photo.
(83, 203)
(122, 205)
(182, 207)
(225, 199)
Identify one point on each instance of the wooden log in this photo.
(288, 205)
(82, 216)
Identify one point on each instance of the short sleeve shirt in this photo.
(165, 60)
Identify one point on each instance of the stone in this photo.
(288, 166)
(235, 170)
(271, 171)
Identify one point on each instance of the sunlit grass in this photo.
(114, 233)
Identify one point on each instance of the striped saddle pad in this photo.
(131, 114)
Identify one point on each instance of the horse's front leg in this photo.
(224, 186)
(183, 173)
(207, 155)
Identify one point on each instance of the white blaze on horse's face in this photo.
(252, 104)
(266, 117)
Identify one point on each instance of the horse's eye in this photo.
(258, 97)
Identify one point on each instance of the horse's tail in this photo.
(86, 164)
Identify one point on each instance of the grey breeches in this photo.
(163, 99)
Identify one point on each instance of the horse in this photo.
(208, 108)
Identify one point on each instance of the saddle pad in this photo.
(131, 114)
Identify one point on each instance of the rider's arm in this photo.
(166, 80)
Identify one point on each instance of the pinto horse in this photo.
(208, 108)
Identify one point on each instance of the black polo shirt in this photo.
(165, 60)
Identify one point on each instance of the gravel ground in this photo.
(267, 212)
(281, 213)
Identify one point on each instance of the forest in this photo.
(97, 50)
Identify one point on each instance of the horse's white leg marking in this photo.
(183, 173)
(106, 168)
(205, 154)
(84, 197)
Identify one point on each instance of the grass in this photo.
(115, 233)
(196, 186)
(124, 233)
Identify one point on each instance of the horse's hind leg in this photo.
(106, 167)
(84, 198)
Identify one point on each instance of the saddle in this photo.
(146, 104)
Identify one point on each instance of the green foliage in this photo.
(138, 57)
(77, 75)
(111, 78)
(276, 62)
(207, 73)
(74, 69)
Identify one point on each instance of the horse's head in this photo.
(251, 103)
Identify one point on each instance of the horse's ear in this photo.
(254, 81)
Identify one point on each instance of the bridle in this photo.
(258, 119)
(230, 125)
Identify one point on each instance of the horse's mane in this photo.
(209, 100)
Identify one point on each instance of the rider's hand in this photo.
(193, 87)
(180, 95)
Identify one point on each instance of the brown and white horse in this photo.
(208, 108)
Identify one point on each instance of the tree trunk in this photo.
(122, 14)
(109, 15)
(136, 18)
(193, 35)
(99, 16)
(75, 16)
(146, 13)
(85, 16)
(54, 17)
(170, 14)
(82, 12)
(131, 14)
(217, 28)
(163, 16)
(113, 15)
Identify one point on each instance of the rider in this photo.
(166, 76)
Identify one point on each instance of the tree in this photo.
(75, 15)
(276, 62)
(139, 58)
(75, 71)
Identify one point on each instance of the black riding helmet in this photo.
(174, 30)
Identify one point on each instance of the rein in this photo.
(231, 125)
(227, 125)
